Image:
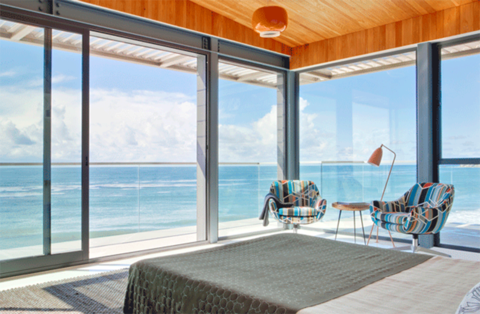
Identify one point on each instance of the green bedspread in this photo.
(275, 274)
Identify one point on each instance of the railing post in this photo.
(428, 119)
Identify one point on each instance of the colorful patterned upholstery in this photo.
(423, 209)
(309, 206)
(297, 211)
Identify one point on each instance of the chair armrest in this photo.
(426, 220)
(320, 205)
(272, 206)
(397, 206)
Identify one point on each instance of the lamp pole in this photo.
(375, 159)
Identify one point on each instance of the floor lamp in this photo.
(375, 160)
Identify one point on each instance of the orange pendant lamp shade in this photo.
(270, 21)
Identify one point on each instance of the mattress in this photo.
(285, 273)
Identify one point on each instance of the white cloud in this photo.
(322, 140)
(60, 78)
(142, 126)
(255, 142)
(8, 74)
(161, 126)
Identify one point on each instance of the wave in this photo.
(464, 216)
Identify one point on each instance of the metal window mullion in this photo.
(212, 142)
(288, 154)
(85, 143)
(293, 116)
(47, 143)
(201, 148)
(428, 120)
(282, 154)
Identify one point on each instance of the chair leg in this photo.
(391, 239)
(295, 228)
(414, 248)
(428, 251)
(368, 242)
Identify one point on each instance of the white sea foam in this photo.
(464, 216)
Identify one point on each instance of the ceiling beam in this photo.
(22, 32)
(251, 76)
(175, 60)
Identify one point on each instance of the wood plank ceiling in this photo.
(315, 20)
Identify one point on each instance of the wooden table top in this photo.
(351, 206)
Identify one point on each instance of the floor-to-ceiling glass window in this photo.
(247, 145)
(143, 146)
(346, 112)
(460, 113)
(21, 143)
(40, 158)
(66, 142)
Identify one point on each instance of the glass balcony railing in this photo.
(356, 182)
(463, 224)
(242, 190)
(137, 206)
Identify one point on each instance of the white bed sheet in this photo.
(436, 286)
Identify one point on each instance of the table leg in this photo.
(363, 230)
(354, 229)
(338, 223)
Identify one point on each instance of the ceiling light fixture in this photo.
(270, 21)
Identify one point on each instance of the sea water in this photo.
(131, 199)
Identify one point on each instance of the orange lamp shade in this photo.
(270, 21)
(376, 157)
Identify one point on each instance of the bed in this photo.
(291, 273)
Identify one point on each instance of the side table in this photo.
(353, 207)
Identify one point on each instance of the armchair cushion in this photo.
(301, 211)
(391, 217)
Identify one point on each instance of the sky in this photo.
(141, 113)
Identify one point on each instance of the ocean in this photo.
(132, 199)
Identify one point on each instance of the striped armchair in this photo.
(423, 209)
(308, 207)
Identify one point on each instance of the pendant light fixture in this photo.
(270, 21)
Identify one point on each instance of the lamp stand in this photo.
(383, 193)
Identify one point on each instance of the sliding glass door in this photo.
(346, 112)
(248, 98)
(41, 148)
(143, 146)
(21, 153)
(460, 149)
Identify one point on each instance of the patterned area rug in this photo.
(100, 293)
